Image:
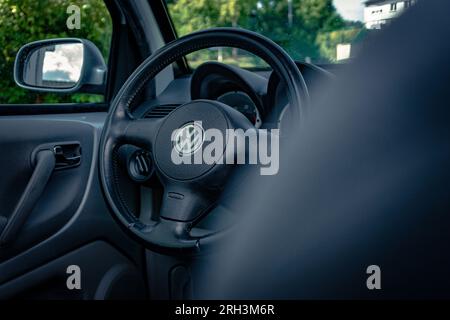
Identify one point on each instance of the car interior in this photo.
(363, 173)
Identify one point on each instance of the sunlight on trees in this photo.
(311, 31)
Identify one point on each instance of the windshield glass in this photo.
(317, 31)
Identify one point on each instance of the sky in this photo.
(350, 9)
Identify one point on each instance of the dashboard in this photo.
(258, 95)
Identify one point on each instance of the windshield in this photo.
(317, 31)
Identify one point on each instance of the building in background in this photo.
(378, 13)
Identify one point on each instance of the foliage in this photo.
(313, 31)
(23, 21)
(328, 41)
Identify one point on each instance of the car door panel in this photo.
(70, 214)
(63, 192)
(111, 277)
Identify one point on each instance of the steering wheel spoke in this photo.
(141, 132)
(171, 235)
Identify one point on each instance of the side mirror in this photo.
(61, 66)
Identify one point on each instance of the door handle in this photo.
(45, 164)
(67, 155)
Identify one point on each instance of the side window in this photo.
(24, 21)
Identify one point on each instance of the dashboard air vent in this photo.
(159, 111)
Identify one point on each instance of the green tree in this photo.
(23, 21)
(190, 16)
(314, 22)
(310, 18)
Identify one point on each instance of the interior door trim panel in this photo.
(45, 164)
(113, 276)
(71, 211)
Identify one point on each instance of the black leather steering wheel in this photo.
(189, 190)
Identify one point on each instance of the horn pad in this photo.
(180, 133)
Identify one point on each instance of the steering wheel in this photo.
(190, 190)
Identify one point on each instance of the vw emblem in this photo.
(189, 138)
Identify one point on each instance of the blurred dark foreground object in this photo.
(366, 181)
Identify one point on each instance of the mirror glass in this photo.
(53, 66)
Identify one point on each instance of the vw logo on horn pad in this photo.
(183, 132)
(189, 138)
